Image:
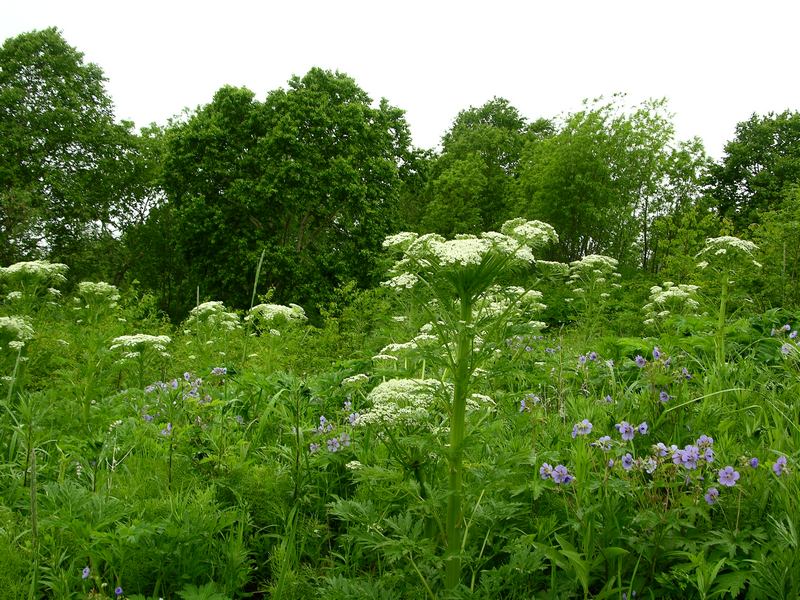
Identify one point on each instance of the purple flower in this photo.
(656, 353)
(347, 406)
(785, 349)
(582, 359)
(532, 398)
(728, 477)
(753, 462)
(626, 430)
(344, 439)
(610, 463)
(608, 399)
(324, 425)
(686, 375)
(642, 428)
(560, 475)
(627, 462)
(663, 396)
(352, 418)
(711, 495)
(650, 465)
(604, 443)
(545, 471)
(686, 458)
(118, 591)
(660, 449)
(705, 441)
(333, 445)
(550, 350)
(582, 428)
(640, 361)
(219, 371)
(793, 335)
(167, 430)
(786, 327)
(147, 417)
(592, 356)
(313, 448)
(779, 466)
(85, 573)
(708, 455)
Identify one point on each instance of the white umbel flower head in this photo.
(267, 313)
(400, 401)
(141, 340)
(213, 313)
(35, 271)
(727, 252)
(16, 327)
(531, 233)
(99, 292)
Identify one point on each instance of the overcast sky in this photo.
(717, 62)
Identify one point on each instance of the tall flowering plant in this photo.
(467, 278)
(726, 257)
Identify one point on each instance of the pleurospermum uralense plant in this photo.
(465, 284)
(726, 257)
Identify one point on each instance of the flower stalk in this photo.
(462, 374)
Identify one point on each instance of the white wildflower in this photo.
(398, 347)
(140, 341)
(400, 240)
(38, 271)
(400, 401)
(266, 313)
(401, 281)
(355, 379)
(18, 327)
(530, 233)
(213, 314)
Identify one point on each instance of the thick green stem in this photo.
(721, 319)
(457, 429)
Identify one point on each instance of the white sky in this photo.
(716, 61)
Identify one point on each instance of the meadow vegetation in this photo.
(271, 350)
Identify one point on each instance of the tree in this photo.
(759, 166)
(310, 177)
(778, 237)
(472, 179)
(605, 176)
(63, 158)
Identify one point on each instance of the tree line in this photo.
(308, 182)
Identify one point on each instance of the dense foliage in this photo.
(226, 371)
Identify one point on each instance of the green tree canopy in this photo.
(66, 169)
(605, 176)
(760, 164)
(472, 179)
(310, 176)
